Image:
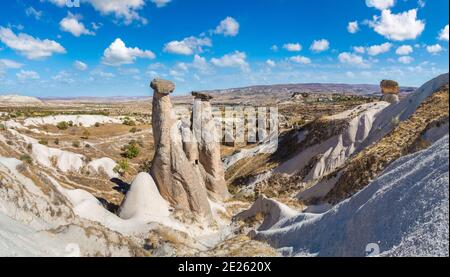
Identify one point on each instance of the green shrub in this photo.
(26, 159)
(43, 142)
(131, 150)
(63, 125)
(122, 167)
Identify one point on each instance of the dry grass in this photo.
(368, 164)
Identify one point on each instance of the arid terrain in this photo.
(78, 168)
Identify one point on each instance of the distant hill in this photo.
(13, 100)
(358, 89)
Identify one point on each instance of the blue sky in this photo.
(115, 47)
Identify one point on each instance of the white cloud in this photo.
(24, 75)
(161, 3)
(350, 74)
(5, 63)
(118, 54)
(236, 59)
(379, 49)
(72, 25)
(320, 45)
(274, 48)
(30, 11)
(123, 10)
(80, 65)
(406, 59)
(398, 27)
(404, 50)
(380, 4)
(271, 63)
(30, 47)
(187, 46)
(293, 47)
(300, 59)
(102, 74)
(201, 64)
(434, 49)
(228, 27)
(359, 49)
(63, 77)
(352, 59)
(443, 35)
(353, 27)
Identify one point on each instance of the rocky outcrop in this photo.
(390, 90)
(208, 137)
(175, 176)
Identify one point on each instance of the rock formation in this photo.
(390, 90)
(176, 178)
(207, 135)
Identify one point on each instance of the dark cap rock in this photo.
(389, 87)
(202, 96)
(162, 86)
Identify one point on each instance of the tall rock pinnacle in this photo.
(177, 180)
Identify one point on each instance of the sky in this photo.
(68, 48)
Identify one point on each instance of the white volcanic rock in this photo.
(404, 212)
(177, 179)
(77, 120)
(143, 200)
(15, 100)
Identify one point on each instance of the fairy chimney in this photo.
(174, 175)
(208, 137)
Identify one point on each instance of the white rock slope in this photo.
(405, 211)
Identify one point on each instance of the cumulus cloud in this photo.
(274, 48)
(71, 24)
(293, 47)
(443, 35)
(118, 54)
(228, 27)
(406, 59)
(236, 59)
(320, 45)
(161, 3)
(300, 59)
(271, 63)
(125, 11)
(353, 27)
(404, 50)
(6, 63)
(201, 64)
(352, 59)
(399, 27)
(380, 4)
(24, 75)
(80, 65)
(187, 46)
(434, 49)
(359, 49)
(379, 49)
(28, 46)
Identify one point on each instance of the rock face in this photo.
(390, 90)
(175, 176)
(143, 199)
(208, 137)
